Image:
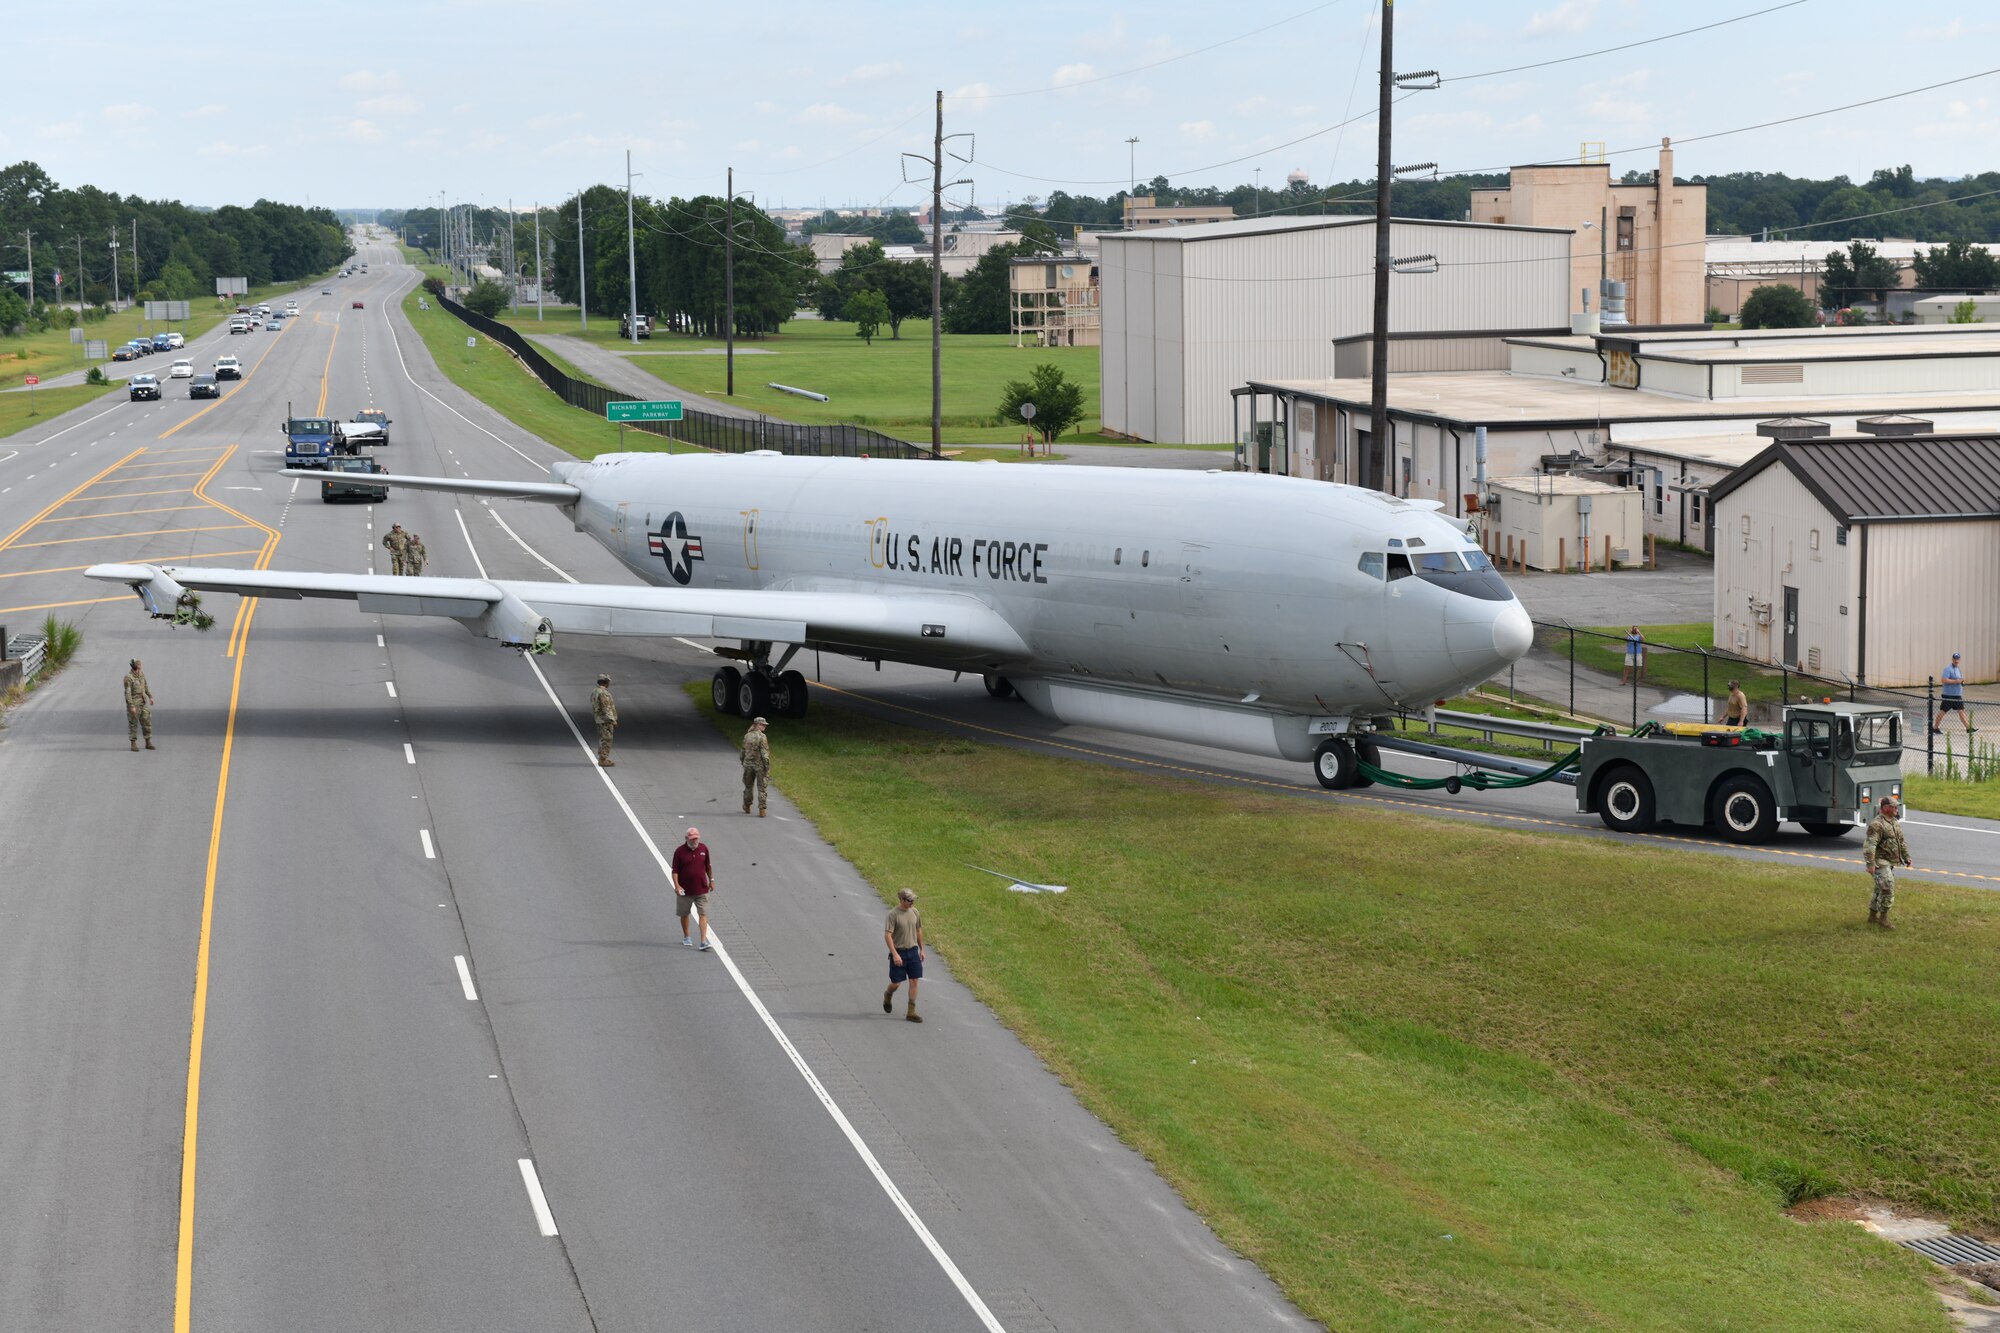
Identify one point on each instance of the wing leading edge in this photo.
(944, 628)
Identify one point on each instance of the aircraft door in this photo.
(1194, 579)
(621, 532)
(750, 517)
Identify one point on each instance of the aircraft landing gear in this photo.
(1334, 764)
(723, 689)
(998, 685)
(753, 695)
(788, 694)
(759, 692)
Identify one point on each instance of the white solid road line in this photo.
(465, 976)
(529, 549)
(430, 852)
(390, 685)
(409, 755)
(544, 1219)
(393, 337)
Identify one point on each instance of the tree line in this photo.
(180, 250)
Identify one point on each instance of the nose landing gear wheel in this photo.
(1333, 764)
(722, 689)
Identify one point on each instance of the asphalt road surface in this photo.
(360, 1003)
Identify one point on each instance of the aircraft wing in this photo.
(548, 492)
(942, 628)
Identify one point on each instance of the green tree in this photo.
(13, 310)
(1057, 400)
(487, 298)
(177, 282)
(1859, 273)
(868, 311)
(1966, 312)
(1776, 308)
(905, 288)
(1958, 264)
(980, 300)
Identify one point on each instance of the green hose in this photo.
(1478, 779)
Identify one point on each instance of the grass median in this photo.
(1438, 1077)
(18, 411)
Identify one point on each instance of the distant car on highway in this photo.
(176, 341)
(144, 387)
(125, 352)
(140, 347)
(181, 370)
(239, 326)
(276, 325)
(357, 305)
(374, 416)
(326, 291)
(292, 304)
(331, 489)
(204, 386)
(161, 343)
(228, 368)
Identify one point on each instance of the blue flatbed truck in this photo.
(310, 441)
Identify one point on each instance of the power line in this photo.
(1648, 41)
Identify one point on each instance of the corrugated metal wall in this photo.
(1351, 359)
(1933, 590)
(1889, 377)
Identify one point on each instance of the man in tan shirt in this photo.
(903, 932)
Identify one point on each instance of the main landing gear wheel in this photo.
(723, 689)
(753, 696)
(788, 694)
(1625, 800)
(1744, 810)
(1368, 752)
(998, 685)
(1333, 764)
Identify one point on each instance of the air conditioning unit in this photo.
(1742, 639)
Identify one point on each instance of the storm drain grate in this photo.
(1955, 1250)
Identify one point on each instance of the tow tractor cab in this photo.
(309, 441)
(1826, 768)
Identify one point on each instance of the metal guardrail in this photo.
(31, 650)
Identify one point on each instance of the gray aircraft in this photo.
(1260, 614)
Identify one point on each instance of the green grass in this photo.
(1004, 454)
(886, 385)
(491, 374)
(47, 404)
(1542, 1082)
(1681, 671)
(1952, 796)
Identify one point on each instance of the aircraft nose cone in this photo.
(1512, 632)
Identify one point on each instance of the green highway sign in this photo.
(665, 410)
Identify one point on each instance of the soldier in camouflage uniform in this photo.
(756, 765)
(605, 709)
(138, 705)
(1882, 853)
(398, 543)
(415, 557)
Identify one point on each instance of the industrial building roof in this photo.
(1239, 227)
(1913, 478)
(1764, 345)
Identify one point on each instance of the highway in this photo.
(359, 1004)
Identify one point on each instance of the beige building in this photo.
(1647, 236)
(1558, 521)
(1873, 559)
(1054, 301)
(1142, 211)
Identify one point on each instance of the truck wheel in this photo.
(1826, 830)
(1367, 752)
(1333, 764)
(1744, 810)
(1625, 800)
(723, 689)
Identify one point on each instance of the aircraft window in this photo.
(1466, 572)
(1395, 541)
(1437, 562)
(1476, 560)
(1118, 556)
(1371, 564)
(1399, 565)
(1414, 541)
(1145, 559)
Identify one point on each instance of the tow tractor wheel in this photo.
(998, 685)
(1826, 830)
(753, 695)
(1625, 800)
(788, 694)
(1368, 752)
(723, 689)
(1333, 764)
(1744, 810)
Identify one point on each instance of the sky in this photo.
(385, 105)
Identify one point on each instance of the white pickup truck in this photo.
(228, 368)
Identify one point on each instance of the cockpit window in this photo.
(1399, 566)
(1476, 560)
(1437, 562)
(1467, 572)
(1371, 564)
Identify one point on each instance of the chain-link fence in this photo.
(707, 429)
(1594, 673)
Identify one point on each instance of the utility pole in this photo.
(135, 260)
(538, 260)
(582, 306)
(114, 267)
(31, 269)
(938, 186)
(1376, 464)
(631, 254)
(513, 272)
(1132, 165)
(729, 286)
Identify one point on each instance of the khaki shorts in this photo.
(684, 901)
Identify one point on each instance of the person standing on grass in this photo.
(1635, 657)
(1952, 700)
(903, 932)
(693, 874)
(1736, 712)
(1883, 851)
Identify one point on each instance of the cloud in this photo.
(394, 104)
(206, 111)
(1616, 101)
(1072, 74)
(555, 121)
(1957, 30)
(129, 114)
(1570, 16)
(360, 130)
(766, 108)
(366, 81)
(828, 113)
(223, 148)
(875, 73)
(971, 97)
(1201, 131)
(1254, 106)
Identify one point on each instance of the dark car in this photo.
(340, 484)
(162, 343)
(374, 416)
(125, 352)
(357, 305)
(204, 386)
(144, 387)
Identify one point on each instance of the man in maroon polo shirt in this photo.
(694, 878)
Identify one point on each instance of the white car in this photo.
(291, 305)
(228, 368)
(176, 341)
(181, 370)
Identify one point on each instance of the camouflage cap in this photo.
(759, 722)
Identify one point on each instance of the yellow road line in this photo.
(120, 536)
(121, 513)
(243, 379)
(163, 476)
(1431, 807)
(326, 371)
(240, 631)
(121, 495)
(16, 533)
(70, 569)
(178, 462)
(52, 606)
(190, 449)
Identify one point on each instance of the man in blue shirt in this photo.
(1952, 700)
(1635, 657)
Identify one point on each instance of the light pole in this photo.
(114, 268)
(538, 260)
(1132, 163)
(582, 306)
(631, 254)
